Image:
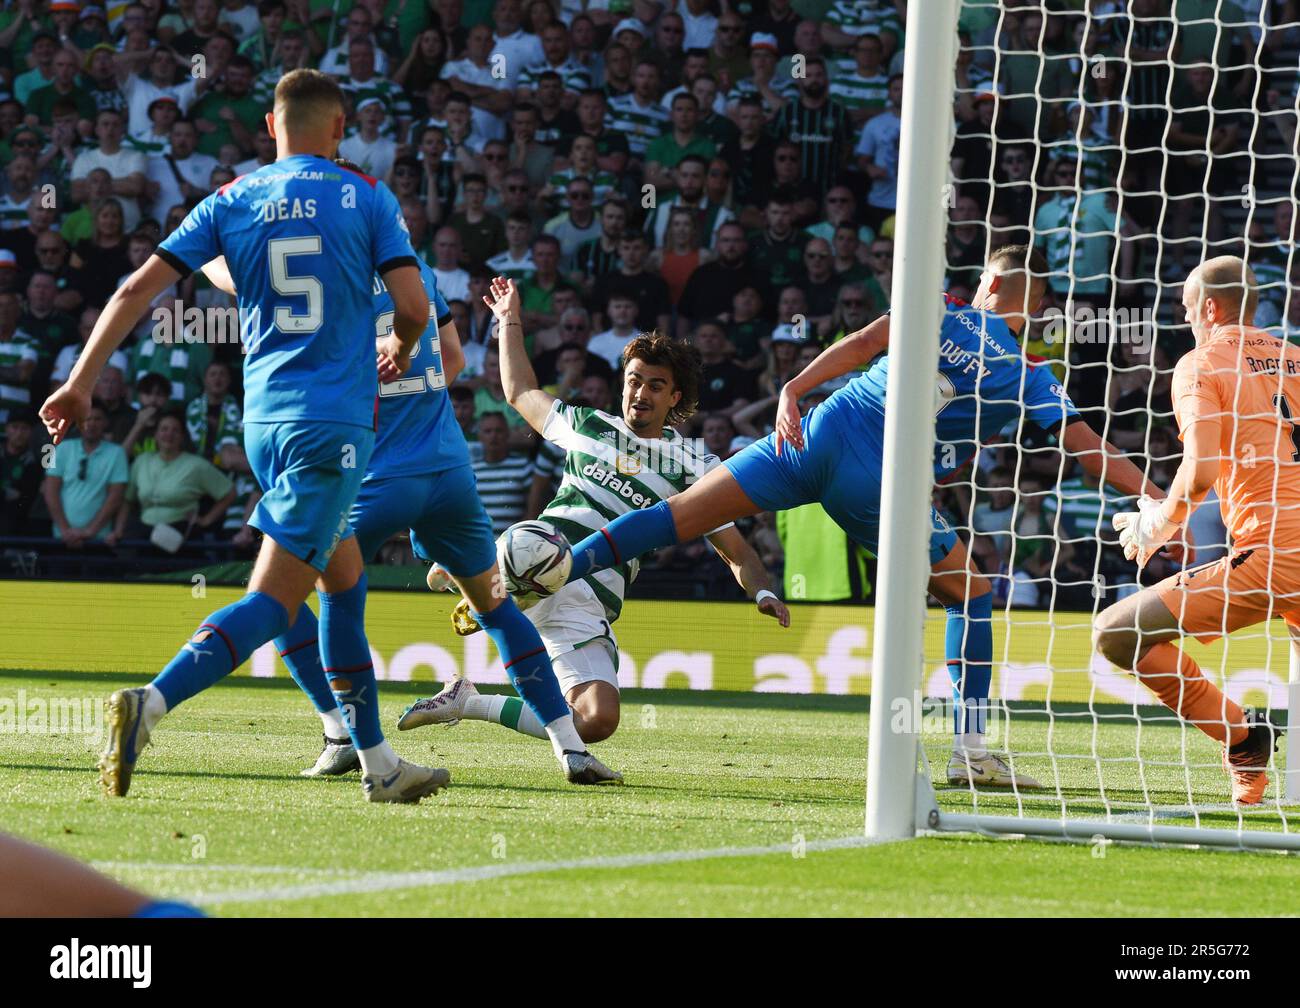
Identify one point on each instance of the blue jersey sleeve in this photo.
(390, 241)
(196, 241)
(1046, 402)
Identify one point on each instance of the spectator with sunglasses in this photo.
(578, 225)
(85, 486)
(52, 254)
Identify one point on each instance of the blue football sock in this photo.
(626, 537)
(221, 644)
(300, 650)
(525, 659)
(968, 645)
(345, 655)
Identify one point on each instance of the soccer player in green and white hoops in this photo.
(612, 465)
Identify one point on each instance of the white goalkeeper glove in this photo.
(1144, 531)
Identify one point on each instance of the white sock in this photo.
(333, 723)
(155, 706)
(970, 744)
(378, 760)
(507, 711)
(484, 708)
(564, 735)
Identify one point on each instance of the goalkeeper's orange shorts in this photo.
(1246, 587)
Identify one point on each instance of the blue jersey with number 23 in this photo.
(417, 432)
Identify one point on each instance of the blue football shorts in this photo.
(310, 472)
(838, 468)
(447, 521)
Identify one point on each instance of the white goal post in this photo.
(1115, 764)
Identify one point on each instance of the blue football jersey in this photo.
(417, 431)
(985, 386)
(300, 236)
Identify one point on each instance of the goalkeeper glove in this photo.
(1144, 531)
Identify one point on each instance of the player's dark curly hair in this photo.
(681, 358)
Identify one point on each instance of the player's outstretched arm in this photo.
(849, 354)
(1104, 461)
(70, 403)
(749, 572)
(518, 379)
(1143, 532)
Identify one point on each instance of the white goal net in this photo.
(1127, 142)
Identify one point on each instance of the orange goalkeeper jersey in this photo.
(1250, 382)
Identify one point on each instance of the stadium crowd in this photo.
(724, 170)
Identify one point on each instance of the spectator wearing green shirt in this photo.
(261, 45)
(538, 291)
(1075, 232)
(84, 488)
(40, 103)
(229, 114)
(491, 398)
(164, 111)
(516, 262)
(181, 362)
(41, 55)
(482, 234)
(776, 252)
(19, 357)
(167, 485)
(863, 87)
(582, 165)
(51, 329)
(666, 151)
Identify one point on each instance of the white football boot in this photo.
(445, 709)
(408, 783)
(438, 579)
(339, 756)
(990, 769)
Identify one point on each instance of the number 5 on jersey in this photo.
(413, 383)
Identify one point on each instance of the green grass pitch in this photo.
(735, 804)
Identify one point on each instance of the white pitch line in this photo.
(198, 866)
(384, 881)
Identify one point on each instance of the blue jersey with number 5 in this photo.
(985, 385)
(301, 236)
(418, 432)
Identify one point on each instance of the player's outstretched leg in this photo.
(713, 501)
(345, 654)
(221, 644)
(968, 645)
(299, 648)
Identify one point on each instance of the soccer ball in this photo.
(534, 557)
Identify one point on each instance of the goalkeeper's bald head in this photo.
(1221, 291)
